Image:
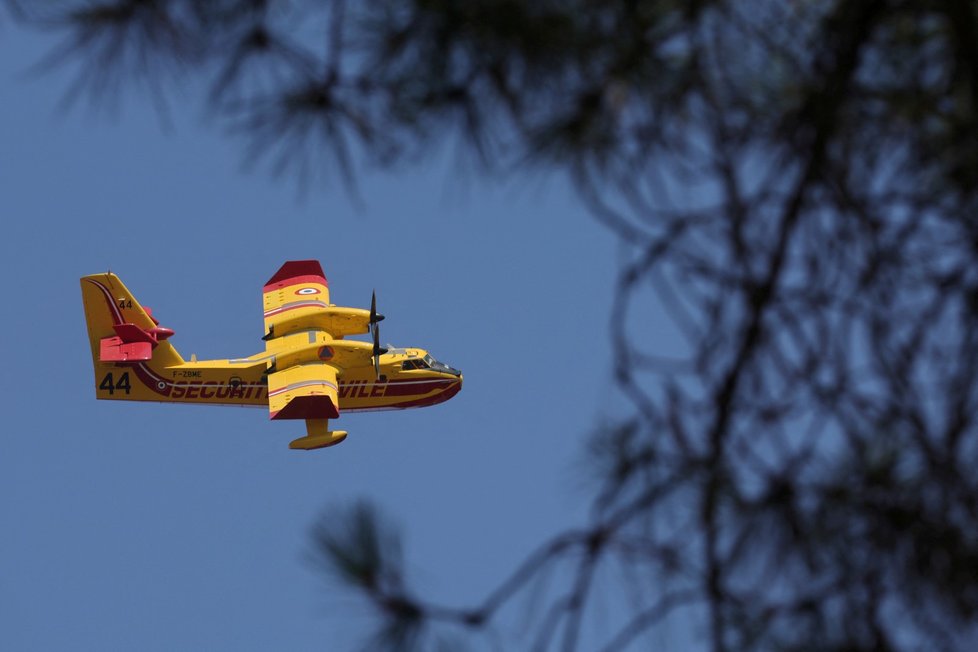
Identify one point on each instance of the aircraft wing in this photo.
(304, 391)
(297, 290)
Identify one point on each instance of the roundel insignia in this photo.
(325, 352)
(307, 291)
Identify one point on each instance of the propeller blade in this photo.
(376, 332)
(374, 315)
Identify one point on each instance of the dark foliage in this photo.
(796, 182)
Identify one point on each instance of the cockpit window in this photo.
(427, 362)
(440, 366)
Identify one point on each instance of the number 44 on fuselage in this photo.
(307, 371)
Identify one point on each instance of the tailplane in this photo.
(123, 335)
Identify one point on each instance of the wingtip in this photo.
(297, 268)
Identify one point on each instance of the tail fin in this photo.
(122, 333)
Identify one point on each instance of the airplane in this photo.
(308, 369)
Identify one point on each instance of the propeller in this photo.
(375, 319)
(374, 315)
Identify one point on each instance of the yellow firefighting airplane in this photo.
(307, 370)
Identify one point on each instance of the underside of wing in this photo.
(303, 391)
(298, 289)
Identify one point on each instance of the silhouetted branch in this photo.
(792, 184)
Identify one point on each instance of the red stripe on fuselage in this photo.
(371, 389)
(440, 397)
(189, 392)
(152, 381)
(408, 389)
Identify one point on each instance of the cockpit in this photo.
(427, 362)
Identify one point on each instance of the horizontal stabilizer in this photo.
(132, 333)
(114, 349)
(131, 343)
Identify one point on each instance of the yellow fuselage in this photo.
(243, 382)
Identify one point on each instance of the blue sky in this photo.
(143, 526)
